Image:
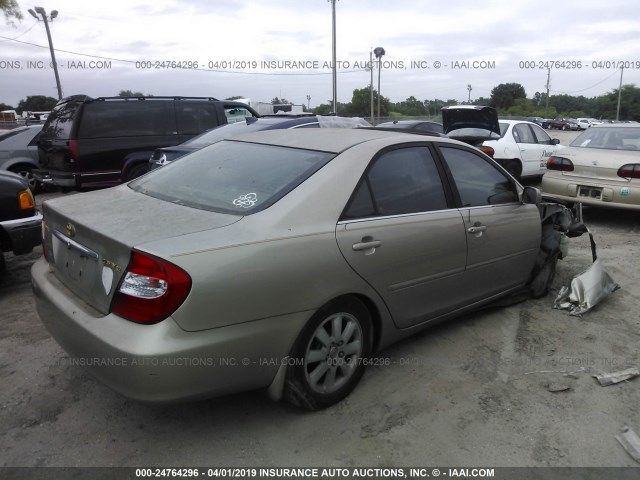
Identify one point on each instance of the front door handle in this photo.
(477, 229)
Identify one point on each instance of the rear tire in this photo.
(26, 172)
(331, 354)
(137, 171)
(514, 168)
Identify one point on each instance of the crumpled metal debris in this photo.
(606, 379)
(586, 291)
(631, 442)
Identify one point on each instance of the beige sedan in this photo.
(600, 168)
(281, 260)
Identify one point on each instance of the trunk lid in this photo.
(471, 123)
(89, 237)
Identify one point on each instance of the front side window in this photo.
(399, 182)
(232, 177)
(541, 136)
(236, 114)
(478, 182)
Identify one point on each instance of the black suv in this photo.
(100, 142)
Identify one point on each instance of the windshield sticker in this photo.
(247, 200)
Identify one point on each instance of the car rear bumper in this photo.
(589, 192)
(162, 362)
(23, 233)
(51, 177)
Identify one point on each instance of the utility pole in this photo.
(548, 87)
(469, 88)
(54, 14)
(619, 94)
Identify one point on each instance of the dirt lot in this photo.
(472, 392)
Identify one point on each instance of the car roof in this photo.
(334, 140)
(616, 125)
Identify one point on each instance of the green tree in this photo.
(11, 9)
(4, 106)
(36, 103)
(235, 97)
(129, 93)
(504, 95)
(360, 105)
(276, 101)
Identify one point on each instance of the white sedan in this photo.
(523, 148)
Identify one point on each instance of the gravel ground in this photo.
(475, 391)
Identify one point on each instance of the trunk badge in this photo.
(71, 230)
(107, 279)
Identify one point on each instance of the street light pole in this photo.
(54, 14)
(371, 85)
(333, 57)
(308, 102)
(379, 53)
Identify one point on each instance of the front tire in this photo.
(331, 354)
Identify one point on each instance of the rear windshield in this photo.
(610, 138)
(60, 121)
(232, 177)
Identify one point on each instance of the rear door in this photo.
(503, 235)
(401, 235)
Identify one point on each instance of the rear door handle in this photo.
(477, 229)
(367, 245)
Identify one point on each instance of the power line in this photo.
(589, 88)
(23, 33)
(194, 69)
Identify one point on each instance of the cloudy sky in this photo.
(268, 48)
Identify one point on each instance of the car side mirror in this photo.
(555, 141)
(531, 195)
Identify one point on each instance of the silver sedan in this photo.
(281, 260)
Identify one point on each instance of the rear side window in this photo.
(195, 117)
(478, 182)
(399, 182)
(232, 177)
(129, 118)
(60, 122)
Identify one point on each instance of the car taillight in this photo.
(151, 289)
(488, 150)
(630, 170)
(560, 163)
(73, 150)
(25, 199)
